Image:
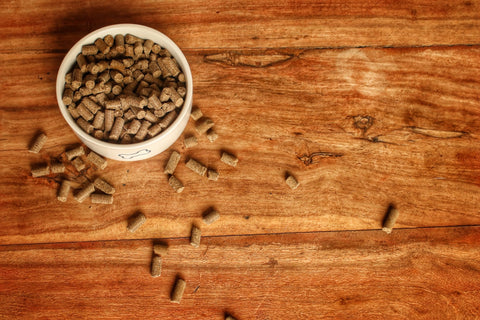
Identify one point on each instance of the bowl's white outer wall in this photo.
(135, 151)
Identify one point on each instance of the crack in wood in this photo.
(442, 134)
(261, 60)
(309, 159)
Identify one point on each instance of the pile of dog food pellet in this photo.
(99, 190)
(124, 89)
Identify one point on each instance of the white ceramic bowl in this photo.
(133, 151)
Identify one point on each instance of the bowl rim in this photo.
(115, 29)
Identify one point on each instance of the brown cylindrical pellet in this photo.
(99, 120)
(168, 119)
(113, 104)
(75, 152)
(155, 69)
(156, 48)
(104, 76)
(292, 182)
(129, 115)
(73, 111)
(390, 219)
(84, 91)
(120, 43)
(195, 236)
(203, 125)
(78, 164)
(211, 216)
(117, 89)
(38, 143)
(129, 51)
(57, 167)
(67, 97)
(154, 102)
(175, 97)
(190, 141)
(147, 46)
(101, 198)
(196, 167)
(181, 77)
(93, 68)
(228, 317)
(77, 96)
(171, 65)
(84, 112)
(178, 290)
(150, 117)
(117, 65)
(103, 186)
(109, 119)
(182, 91)
(98, 161)
(89, 50)
(108, 39)
(137, 48)
(99, 134)
(116, 75)
(84, 193)
(77, 79)
(62, 194)
(91, 105)
(102, 46)
(172, 162)
(136, 222)
(156, 269)
(229, 159)
(160, 249)
(138, 75)
(134, 126)
(82, 62)
(212, 175)
(103, 65)
(89, 80)
(168, 106)
(117, 129)
(131, 39)
(176, 184)
(85, 125)
(40, 171)
(212, 135)
(142, 132)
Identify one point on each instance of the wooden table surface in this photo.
(367, 103)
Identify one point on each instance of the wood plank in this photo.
(46, 25)
(359, 128)
(410, 274)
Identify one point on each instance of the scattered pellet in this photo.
(38, 143)
(75, 152)
(160, 249)
(78, 164)
(190, 141)
(176, 184)
(101, 198)
(203, 124)
(40, 171)
(292, 182)
(212, 135)
(63, 191)
(103, 186)
(136, 222)
(229, 159)
(196, 167)
(212, 175)
(84, 193)
(57, 167)
(156, 269)
(178, 290)
(97, 160)
(228, 317)
(172, 162)
(390, 219)
(211, 216)
(195, 236)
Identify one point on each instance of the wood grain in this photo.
(45, 25)
(412, 274)
(359, 128)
